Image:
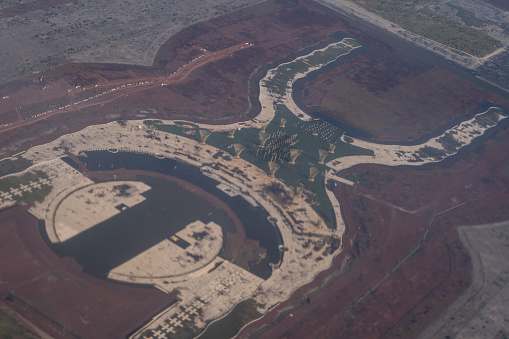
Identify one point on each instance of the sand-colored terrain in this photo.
(92, 204)
(166, 259)
(482, 309)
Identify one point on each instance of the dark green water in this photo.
(167, 209)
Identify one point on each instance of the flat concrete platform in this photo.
(168, 259)
(95, 203)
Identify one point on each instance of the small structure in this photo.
(273, 167)
(231, 133)
(298, 191)
(294, 153)
(238, 148)
(332, 147)
(322, 154)
(320, 224)
(282, 123)
(263, 138)
(151, 130)
(204, 134)
(313, 172)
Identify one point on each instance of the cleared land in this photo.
(89, 206)
(394, 275)
(393, 99)
(222, 91)
(480, 311)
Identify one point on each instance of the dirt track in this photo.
(216, 92)
(122, 89)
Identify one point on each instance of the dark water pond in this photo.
(167, 209)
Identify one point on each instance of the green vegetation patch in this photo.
(245, 312)
(25, 188)
(417, 17)
(9, 166)
(9, 329)
(187, 330)
(308, 137)
(449, 143)
(431, 152)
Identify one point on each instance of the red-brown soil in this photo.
(223, 89)
(393, 99)
(381, 232)
(386, 223)
(59, 294)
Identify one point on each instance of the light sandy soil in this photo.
(93, 204)
(166, 259)
(481, 311)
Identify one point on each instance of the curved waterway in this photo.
(168, 208)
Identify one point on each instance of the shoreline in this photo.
(295, 270)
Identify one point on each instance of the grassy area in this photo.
(305, 140)
(245, 312)
(418, 17)
(9, 329)
(187, 330)
(9, 166)
(489, 118)
(36, 194)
